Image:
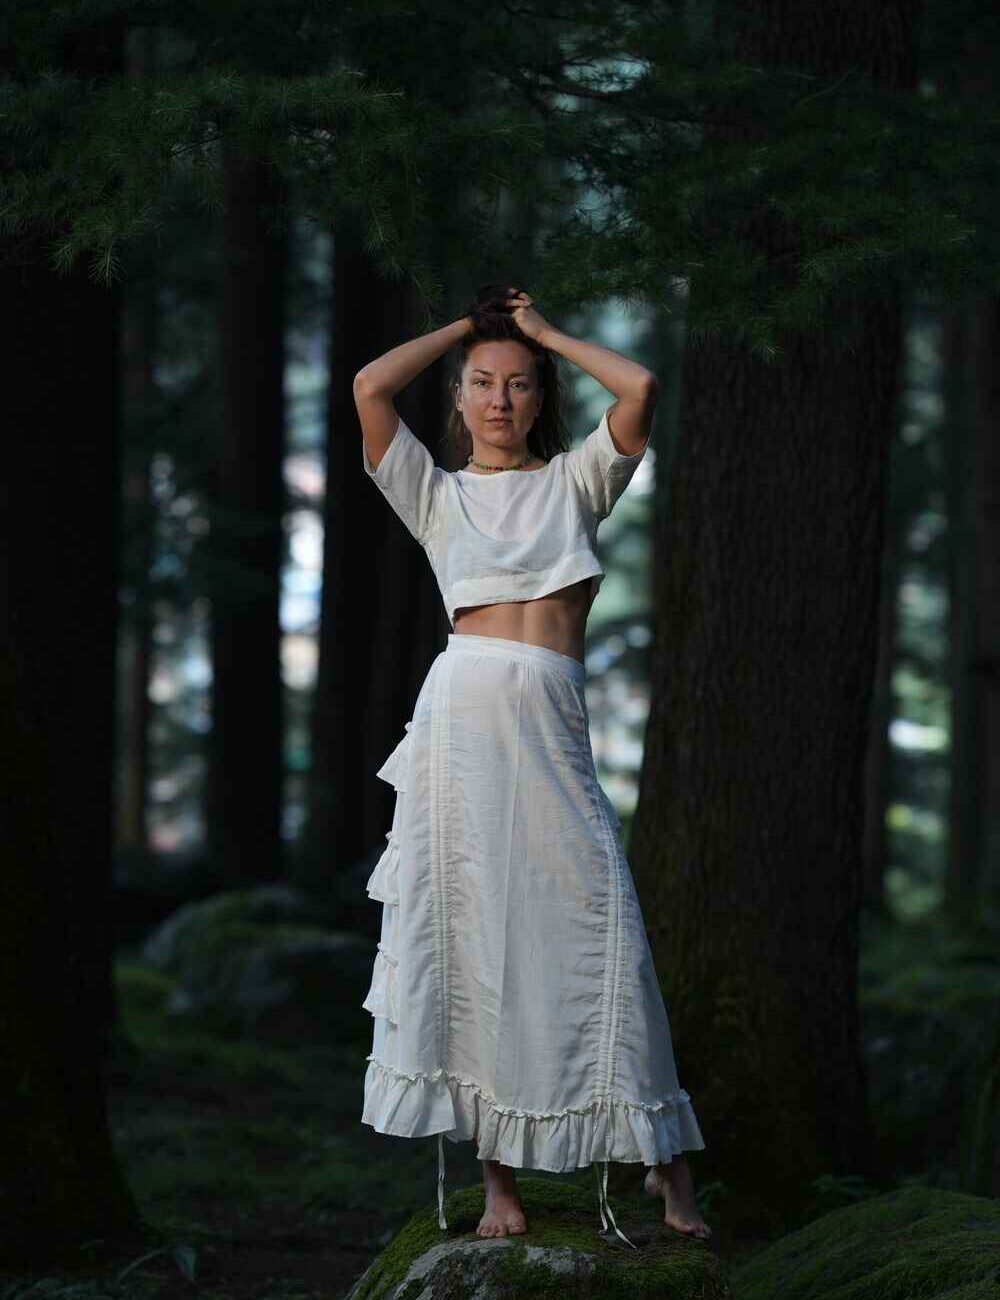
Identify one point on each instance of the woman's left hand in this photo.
(526, 318)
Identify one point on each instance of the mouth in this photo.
(498, 421)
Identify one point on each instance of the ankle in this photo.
(497, 1175)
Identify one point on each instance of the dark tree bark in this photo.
(139, 390)
(60, 1184)
(878, 760)
(246, 760)
(139, 332)
(139, 335)
(381, 614)
(748, 832)
(972, 398)
(970, 342)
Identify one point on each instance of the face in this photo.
(499, 396)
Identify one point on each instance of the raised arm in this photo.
(377, 383)
(607, 458)
(394, 458)
(630, 418)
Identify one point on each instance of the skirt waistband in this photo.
(507, 649)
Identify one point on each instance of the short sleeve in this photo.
(409, 480)
(601, 471)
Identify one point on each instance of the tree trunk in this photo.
(984, 393)
(60, 1184)
(139, 334)
(748, 832)
(878, 759)
(971, 342)
(381, 610)
(246, 744)
(137, 632)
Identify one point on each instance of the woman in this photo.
(513, 993)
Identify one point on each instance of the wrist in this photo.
(548, 337)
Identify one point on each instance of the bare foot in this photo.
(504, 1213)
(673, 1182)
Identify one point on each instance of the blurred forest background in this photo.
(212, 215)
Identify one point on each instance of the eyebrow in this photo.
(523, 374)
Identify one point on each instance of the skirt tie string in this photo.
(442, 1222)
(605, 1208)
(602, 1195)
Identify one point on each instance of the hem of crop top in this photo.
(521, 586)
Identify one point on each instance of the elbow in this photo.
(649, 387)
(366, 386)
(643, 392)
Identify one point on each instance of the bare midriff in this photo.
(557, 621)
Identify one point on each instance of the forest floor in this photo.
(256, 1180)
(254, 1158)
(250, 1166)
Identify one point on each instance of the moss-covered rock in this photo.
(918, 1242)
(255, 962)
(176, 939)
(563, 1248)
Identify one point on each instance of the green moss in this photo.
(142, 994)
(221, 936)
(560, 1215)
(915, 1242)
(929, 964)
(142, 986)
(678, 1269)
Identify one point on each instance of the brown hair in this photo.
(491, 320)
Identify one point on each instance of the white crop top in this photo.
(512, 535)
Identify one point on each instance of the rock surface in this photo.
(259, 962)
(563, 1252)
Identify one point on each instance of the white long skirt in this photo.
(514, 997)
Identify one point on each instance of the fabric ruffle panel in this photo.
(394, 769)
(383, 883)
(411, 1105)
(382, 998)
